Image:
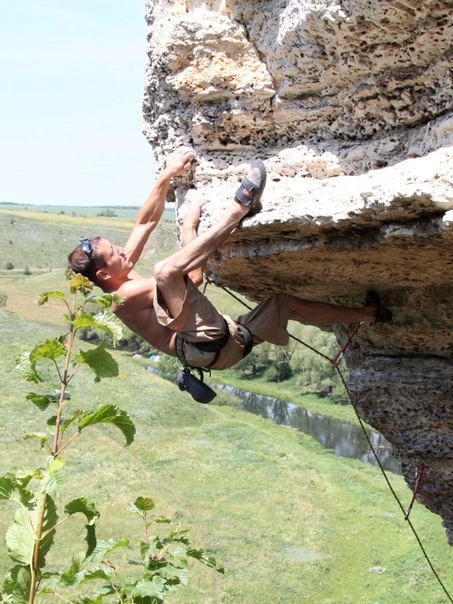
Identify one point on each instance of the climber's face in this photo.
(116, 263)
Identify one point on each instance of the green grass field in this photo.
(290, 522)
(120, 212)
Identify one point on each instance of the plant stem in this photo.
(64, 382)
(34, 567)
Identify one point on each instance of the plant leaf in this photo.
(46, 295)
(26, 369)
(104, 548)
(43, 438)
(96, 599)
(99, 361)
(145, 589)
(83, 320)
(48, 529)
(205, 559)
(77, 414)
(97, 574)
(72, 575)
(110, 414)
(105, 300)
(51, 348)
(20, 536)
(42, 401)
(78, 282)
(108, 322)
(144, 504)
(14, 489)
(53, 476)
(16, 587)
(176, 558)
(85, 506)
(105, 321)
(175, 574)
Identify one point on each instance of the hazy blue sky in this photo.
(71, 77)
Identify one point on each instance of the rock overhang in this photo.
(350, 107)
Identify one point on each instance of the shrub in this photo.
(255, 363)
(162, 561)
(279, 371)
(108, 213)
(168, 367)
(9, 266)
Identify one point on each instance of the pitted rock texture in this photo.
(350, 106)
(367, 81)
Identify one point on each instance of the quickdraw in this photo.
(419, 471)
(339, 356)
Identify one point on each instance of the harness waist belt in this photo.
(248, 339)
(215, 345)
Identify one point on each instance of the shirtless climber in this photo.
(167, 309)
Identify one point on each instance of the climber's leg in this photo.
(170, 273)
(189, 231)
(321, 313)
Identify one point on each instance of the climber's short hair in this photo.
(85, 260)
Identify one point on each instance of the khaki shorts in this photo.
(200, 321)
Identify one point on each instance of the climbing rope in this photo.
(340, 354)
(392, 490)
(335, 362)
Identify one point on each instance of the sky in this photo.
(71, 87)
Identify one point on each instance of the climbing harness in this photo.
(196, 387)
(186, 380)
(215, 346)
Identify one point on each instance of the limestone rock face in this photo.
(350, 106)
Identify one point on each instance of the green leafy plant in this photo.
(37, 493)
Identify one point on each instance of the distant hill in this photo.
(122, 211)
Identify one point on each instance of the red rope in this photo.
(338, 357)
(419, 471)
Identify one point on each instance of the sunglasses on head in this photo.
(87, 248)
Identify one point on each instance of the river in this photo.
(345, 440)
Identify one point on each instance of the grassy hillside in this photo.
(42, 241)
(37, 245)
(290, 522)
